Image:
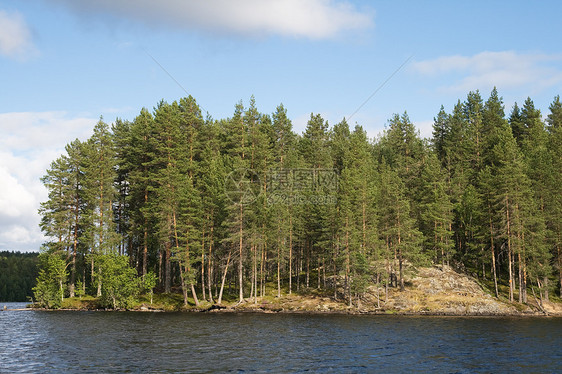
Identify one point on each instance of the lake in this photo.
(137, 342)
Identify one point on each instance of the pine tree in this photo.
(398, 229)
(239, 187)
(359, 217)
(121, 131)
(316, 161)
(99, 177)
(279, 192)
(78, 206)
(55, 212)
(441, 131)
(539, 169)
(436, 211)
(554, 199)
(511, 187)
(140, 161)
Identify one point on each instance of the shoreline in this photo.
(249, 310)
(430, 291)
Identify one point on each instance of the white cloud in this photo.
(315, 19)
(15, 36)
(505, 70)
(425, 128)
(28, 144)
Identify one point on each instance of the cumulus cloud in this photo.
(28, 144)
(505, 69)
(15, 36)
(315, 19)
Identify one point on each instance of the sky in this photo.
(65, 63)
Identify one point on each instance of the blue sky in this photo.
(64, 63)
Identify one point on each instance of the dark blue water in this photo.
(101, 342)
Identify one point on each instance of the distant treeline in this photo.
(247, 202)
(18, 272)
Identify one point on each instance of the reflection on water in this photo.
(39, 341)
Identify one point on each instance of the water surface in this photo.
(44, 341)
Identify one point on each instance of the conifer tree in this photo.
(99, 177)
(436, 211)
(316, 160)
(398, 229)
(279, 194)
(554, 200)
(78, 206)
(239, 187)
(140, 161)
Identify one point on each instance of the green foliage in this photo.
(119, 283)
(49, 291)
(192, 203)
(148, 282)
(18, 272)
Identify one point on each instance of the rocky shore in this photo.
(437, 290)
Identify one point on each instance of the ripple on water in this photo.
(39, 341)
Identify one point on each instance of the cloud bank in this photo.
(314, 19)
(29, 142)
(506, 69)
(15, 36)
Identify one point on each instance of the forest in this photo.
(237, 208)
(17, 275)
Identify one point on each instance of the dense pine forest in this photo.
(180, 202)
(17, 275)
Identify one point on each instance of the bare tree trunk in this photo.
(74, 251)
(160, 278)
(278, 269)
(400, 261)
(210, 268)
(347, 261)
(241, 260)
(145, 240)
(204, 294)
(219, 301)
(492, 249)
(509, 250)
(520, 274)
(98, 294)
(194, 294)
(308, 254)
(168, 269)
(183, 285)
(559, 266)
(318, 273)
(291, 255)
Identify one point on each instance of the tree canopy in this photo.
(200, 203)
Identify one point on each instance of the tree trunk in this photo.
(160, 278)
(509, 253)
(278, 270)
(219, 301)
(492, 249)
(204, 297)
(183, 286)
(210, 268)
(291, 255)
(168, 269)
(347, 261)
(559, 266)
(145, 239)
(520, 275)
(240, 262)
(194, 294)
(308, 254)
(98, 294)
